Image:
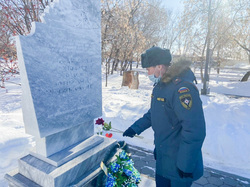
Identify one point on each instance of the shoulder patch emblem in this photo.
(186, 101)
(183, 90)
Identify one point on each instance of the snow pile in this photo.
(14, 143)
(228, 128)
(226, 146)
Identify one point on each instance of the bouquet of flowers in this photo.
(122, 173)
(102, 125)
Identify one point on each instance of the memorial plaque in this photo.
(60, 64)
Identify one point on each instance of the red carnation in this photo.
(99, 121)
(109, 135)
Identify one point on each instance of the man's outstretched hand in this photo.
(129, 132)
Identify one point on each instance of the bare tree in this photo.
(16, 17)
(241, 28)
(229, 26)
(128, 28)
(172, 30)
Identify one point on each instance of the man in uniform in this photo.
(177, 118)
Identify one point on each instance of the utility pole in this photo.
(206, 90)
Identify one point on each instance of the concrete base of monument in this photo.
(33, 172)
(54, 143)
(92, 180)
(15, 179)
(67, 154)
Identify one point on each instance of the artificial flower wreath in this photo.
(122, 173)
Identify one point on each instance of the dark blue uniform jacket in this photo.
(177, 118)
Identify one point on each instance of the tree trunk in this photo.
(123, 66)
(108, 65)
(116, 64)
(107, 70)
(201, 69)
(249, 58)
(106, 75)
(113, 67)
(218, 67)
(218, 60)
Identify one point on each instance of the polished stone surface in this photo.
(60, 65)
(52, 144)
(71, 152)
(48, 175)
(88, 180)
(15, 179)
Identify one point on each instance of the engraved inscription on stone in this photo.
(62, 60)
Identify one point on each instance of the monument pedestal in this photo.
(32, 171)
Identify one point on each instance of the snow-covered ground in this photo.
(226, 146)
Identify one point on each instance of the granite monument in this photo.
(60, 64)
